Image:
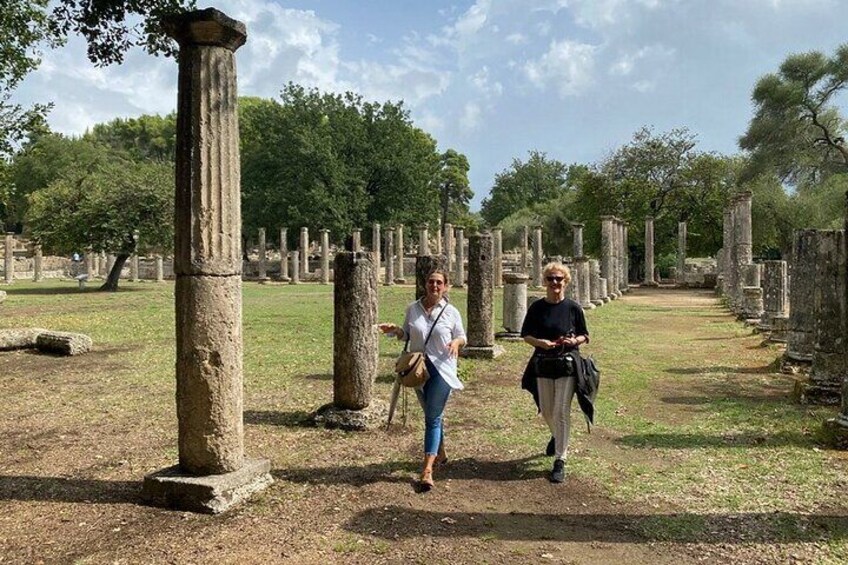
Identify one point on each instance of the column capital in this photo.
(577, 224)
(209, 27)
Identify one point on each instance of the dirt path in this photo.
(69, 480)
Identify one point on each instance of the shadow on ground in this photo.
(721, 369)
(394, 522)
(294, 419)
(406, 472)
(60, 489)
(697, 441)
(53, 291)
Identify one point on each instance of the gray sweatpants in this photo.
(555, 404)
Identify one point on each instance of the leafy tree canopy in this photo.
(454, 186)
(539, 179)
(797, 131)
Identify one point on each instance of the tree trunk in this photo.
(111, 283)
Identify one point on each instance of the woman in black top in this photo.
(554, 322)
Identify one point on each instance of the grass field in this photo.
(698, 453)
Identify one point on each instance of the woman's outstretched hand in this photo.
(453, 347)
(390, 329)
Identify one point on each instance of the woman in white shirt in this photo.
(441, 351)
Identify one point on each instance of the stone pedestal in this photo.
(775, 299)
(325, 256)
(581, 273)
(263, 266)
(376, 242)
(481, 290)
(752, 304)
(284, 255)
(514, 306)
(213, 473)
(356, 240)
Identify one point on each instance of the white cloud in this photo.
(471, 114)
(516, 38)
(651, 55)
(397, 81)
(567, 64)
(483, 83)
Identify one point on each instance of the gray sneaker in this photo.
(558, 472)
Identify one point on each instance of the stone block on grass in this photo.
(63, 343)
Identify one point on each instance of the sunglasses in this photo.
(555, 279)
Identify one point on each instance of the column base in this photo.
(294, 282)
(598, 303)
(509, 336)
(400, 281)
(807, 391)
(371, 417)
(836, 431)
(481, 352)
(208, 494)
(588, 306)
(650, 283)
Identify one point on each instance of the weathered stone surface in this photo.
(37, 264)
(514, 305)
(390, 261)
(209, 494)
(752, 305)
(681, 250)
(459, 277)
(209, 373)
(525, 253)
(160, 269)
(775, 298)
(376, 241)
(497, 242)
(595, 282)
(325, 256)
(304, 251)
(742, 238)
(63, 343)
(802, 302)
(481, 288)
(649, 279)
(399, 250)
(581, 273)
(295, 267)
(450, 247)
(537, 257)
(371, 417)
(423, 240)
(284, 255)
(9, 259)
(607, 259)
(355, 346)
(356, 240)
(577, 238)
(19, 338)
(2, 296)
(263, 266)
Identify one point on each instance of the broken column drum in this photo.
(459, 279)
(774, 293)
(800, 340)
(481, 291)
(514, 306)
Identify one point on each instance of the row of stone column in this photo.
(801, 302)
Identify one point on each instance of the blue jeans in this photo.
(433, 396)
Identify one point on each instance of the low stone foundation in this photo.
(493, 352)
(371, 417)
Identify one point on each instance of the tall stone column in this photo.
(729, 255)
(304, 251)
(625, 257)
(355, 346)
(423, 241)
(497, 242)
(607, 257)
(160, 269)
(89, 263)
(134, 267)
(103, 267)
(9, 259)
(799, 346)
(399, 279)
(537, 257)
(514, 306)
(295, 267)
(481, 292)
(263, 266)
(357, 240)
(649, 253)
(743, 239)
(390, 263)
(284, 255)
(438, 242)
(36, 263)
(775, 299)
(98, 264)
(449, 247)
(581, 272)
(325, 256)
(213, 473)
(376, 249)
(681, 253)
(577, 236)
(525, 253)
(595, 294)
(830, 363)
(459, 279)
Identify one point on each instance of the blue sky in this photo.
(493, 79)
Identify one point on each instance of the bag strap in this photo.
(406, 345)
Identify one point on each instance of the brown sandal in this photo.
(426, 482)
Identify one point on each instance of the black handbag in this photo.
(555, 363)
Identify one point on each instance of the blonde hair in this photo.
(557, 266)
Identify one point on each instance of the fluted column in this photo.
(284, 255)
(497, 241)
(304, 251)
(577, 236)
(525, 238)
(649, 253)
(325, 256)
(208, 269)
(398, 248)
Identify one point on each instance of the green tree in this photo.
(539, 179)
(99, 204)
(455, 190)
(150, 137)
(797, 131)
(333, 161)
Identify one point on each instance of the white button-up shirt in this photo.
(416, 326)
